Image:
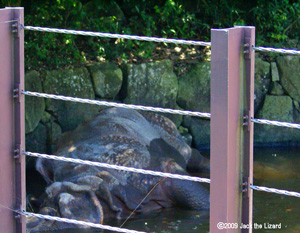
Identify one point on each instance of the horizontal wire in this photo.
(277, 50)
(153, 109)
(120, 105)
(276, 123)
(117, 36)
(277, 191)
(118, 167)
(151, 39)
(78, 222)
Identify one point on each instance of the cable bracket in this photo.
(248, 48)
(246, 186)
(17, 92)
(247, 120)
(17, 153)
(16, 26)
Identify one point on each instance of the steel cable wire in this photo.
(120, 105)
(78, 222)
(277, 50)
(277, 191)
(117, 36)
(118, 167)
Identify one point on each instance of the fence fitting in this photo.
(232, 92)
(12, 124)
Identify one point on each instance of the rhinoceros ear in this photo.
(45, 168)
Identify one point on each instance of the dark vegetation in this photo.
(277, 24)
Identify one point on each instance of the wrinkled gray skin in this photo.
(123, 137)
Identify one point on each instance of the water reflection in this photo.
(277, 168)
(171, 220)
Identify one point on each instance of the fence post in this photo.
(231, 139)
(12, 124)
(247, 172)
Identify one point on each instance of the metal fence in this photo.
(232, 118)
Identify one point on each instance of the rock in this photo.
(183, 130)
(70, 82)
(200, 130)
(194, 95)
(289, 71)
(34, 106)
(152, 84)
(46, 117)
(262, 82)
(296, 112)
(54, 132)
(276, 89)
(296, 105)
(187, 121)
(188, 138)
(194, 88)
(107, 79)
(36, 141)
(185, 135)
(274, 72)
(279, 108)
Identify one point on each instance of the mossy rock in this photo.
(34, 107)
(278, 108)
(152, 84)
(261, 83)
(194, 88)
(289, 72)
(36, 141)
(107, 79)
(70, 82)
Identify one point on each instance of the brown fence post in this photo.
(231, 140)
(12, 128)
(247, 172)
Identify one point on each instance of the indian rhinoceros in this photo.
(122, 137)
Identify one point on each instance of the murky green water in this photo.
(277, 168)
(274, 167)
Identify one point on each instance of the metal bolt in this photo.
(16, 93)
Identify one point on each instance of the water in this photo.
(277, 168)
(273, 167)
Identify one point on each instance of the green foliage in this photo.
(276, 21)
(167, 19)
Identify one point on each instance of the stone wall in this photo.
(277, 97)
